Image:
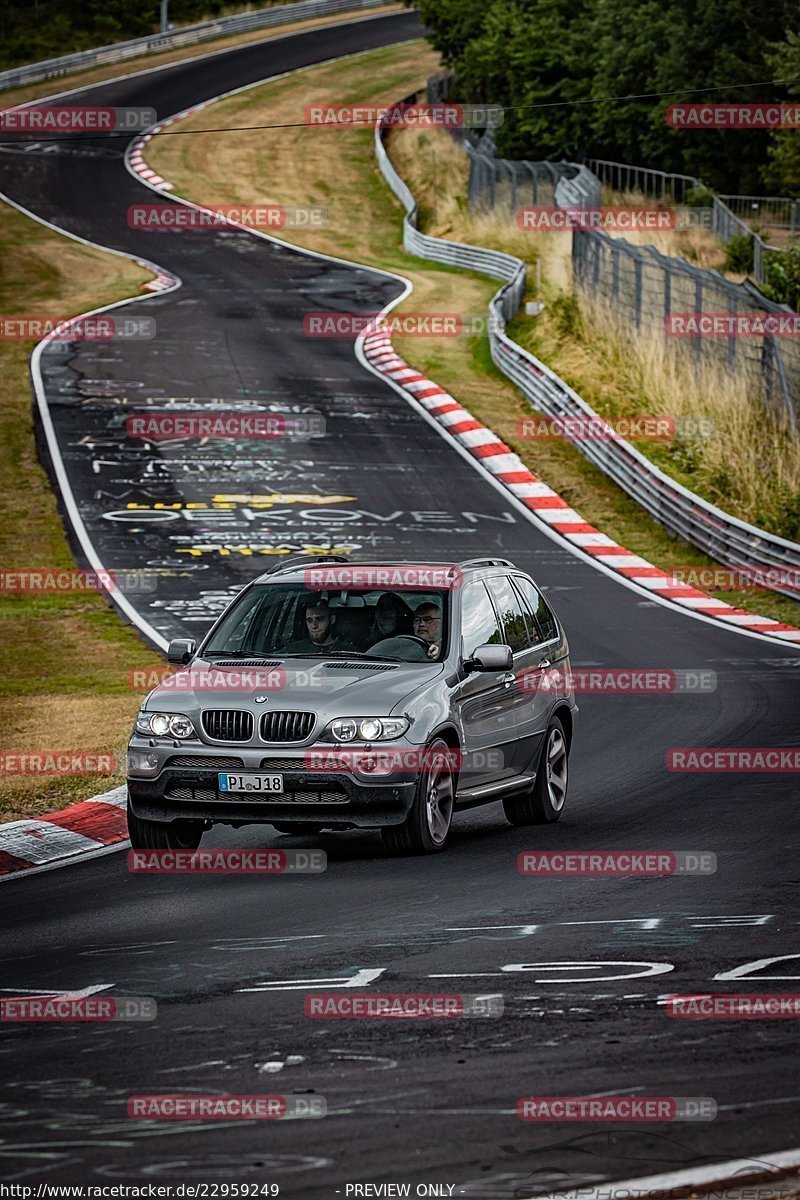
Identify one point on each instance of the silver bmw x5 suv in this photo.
(339, 695)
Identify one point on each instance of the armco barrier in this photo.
(261, 18)
(723, 537)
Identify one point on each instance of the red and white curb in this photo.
(88, 826)
(508, 469)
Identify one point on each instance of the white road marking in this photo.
(363, 976)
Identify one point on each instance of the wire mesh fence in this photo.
(649, 289)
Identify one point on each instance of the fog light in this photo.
(139, 760)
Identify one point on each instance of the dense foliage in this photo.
(47, 28)
(563, 53)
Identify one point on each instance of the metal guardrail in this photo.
(723, 537)
(261, 18)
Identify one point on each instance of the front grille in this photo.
(211, 764)
(228, 724)
(286, 726)
(189, 793)
(331, 795)
(282, 764)
(358, 666)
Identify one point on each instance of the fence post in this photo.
(698, 308)
(667, 293)
(638, 270)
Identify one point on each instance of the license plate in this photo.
(250, 783)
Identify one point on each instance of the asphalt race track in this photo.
(228, 957)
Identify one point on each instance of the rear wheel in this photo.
(544, 801)
(162, 835)
(297, 827)
(427, 827)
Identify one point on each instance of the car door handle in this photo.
(508, 679)
(544, 664)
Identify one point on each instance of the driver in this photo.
(320, 622)
(428, 626)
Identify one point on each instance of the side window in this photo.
(514, 628)
(537, 606)
(478, 619)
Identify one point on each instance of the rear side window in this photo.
(514, 628)
(538, 608)
(479, 624)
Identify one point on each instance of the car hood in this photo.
(340, 687)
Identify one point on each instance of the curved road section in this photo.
(582, 963)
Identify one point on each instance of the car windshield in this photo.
(290, 620)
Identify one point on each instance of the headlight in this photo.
(366, 729)
(164, 725)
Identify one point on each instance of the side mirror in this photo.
(490, 658)
(180, 651)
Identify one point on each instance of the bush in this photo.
(699, 197)
(782, 282)
(739, 254)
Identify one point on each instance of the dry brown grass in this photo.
(749, 465)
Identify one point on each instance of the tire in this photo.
(544, 802)
(298, 827)
(162, 835)
(426, 829)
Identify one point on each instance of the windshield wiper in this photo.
(362, 654)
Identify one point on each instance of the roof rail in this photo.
(296, 560)
(486, 562)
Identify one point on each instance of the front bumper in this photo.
(184, 792)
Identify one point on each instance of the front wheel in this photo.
(161, 835)
(545, 801)
(427, 827)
